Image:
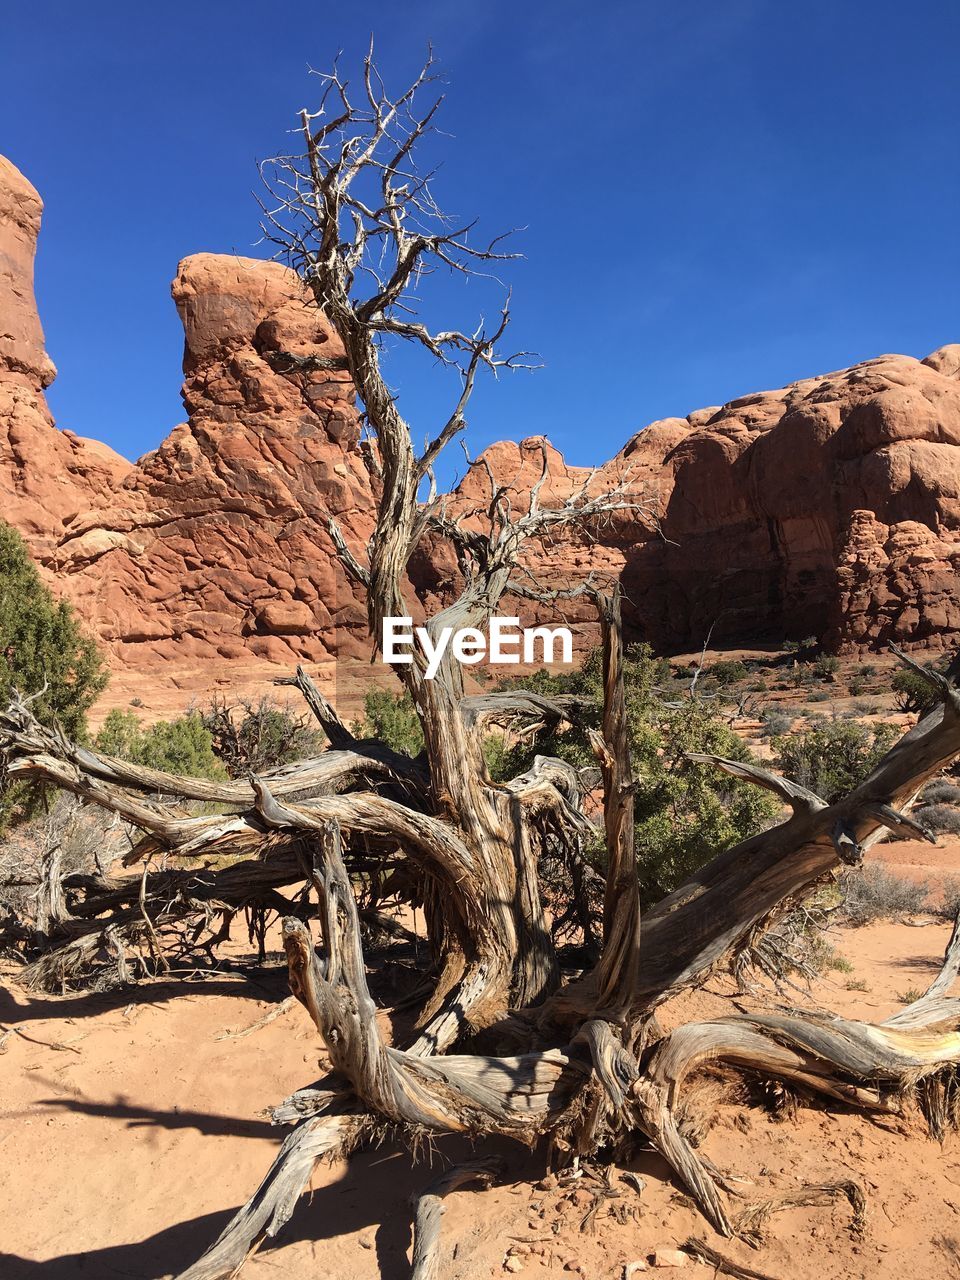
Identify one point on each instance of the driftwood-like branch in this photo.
(800, 799)
(751, 1223)
(429, 1212)
(481, 710)
(331, 1135)
(338, 735)
(616, 971)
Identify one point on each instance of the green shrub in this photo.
(913, 692)
(827, 666)
(727, 672)
(42, 647)
(496, 754)
(41, 641)
(391, 718)
(181, 746)
(833, 756)
(685, 813)
(775, 722)
(807, 645)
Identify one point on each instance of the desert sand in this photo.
(133, 1125)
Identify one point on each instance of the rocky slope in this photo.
(829, 507)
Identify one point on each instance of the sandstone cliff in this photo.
(829, 507)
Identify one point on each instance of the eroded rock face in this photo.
(46, 475)
(782, 500)
(216, 544)
(829, 507)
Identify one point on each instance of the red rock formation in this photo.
(216, 544)
(46, 475)
(829, 507)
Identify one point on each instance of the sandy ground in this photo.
(124, 1150)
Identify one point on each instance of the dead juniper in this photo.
(506, 1045)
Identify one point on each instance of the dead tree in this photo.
(504, 1047)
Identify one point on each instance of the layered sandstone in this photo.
(828, 507)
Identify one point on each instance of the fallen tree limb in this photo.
(332, 1136)
(429, 1212)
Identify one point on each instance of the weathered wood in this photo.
(617, 968)
(429, 1212)
(332, 1135)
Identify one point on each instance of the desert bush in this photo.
(391, 718)
(941, 791)
(831, 757)
(496, 753)
(826, 667)
(181, 746)
(941, 819)
(775, 722)
(80, 837)
(861, 708)
(727, 672)
(43, 652)
(684, 812)
(947, 902)
(913, 693)
(871, 892)
(807, 645)
(800, 674)
(252, 737)
(41, 643)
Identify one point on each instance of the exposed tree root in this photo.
(332, 1135)
(752, 1221)
(429, 1212)
(723, 1266)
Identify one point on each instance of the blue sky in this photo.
(718, 196)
